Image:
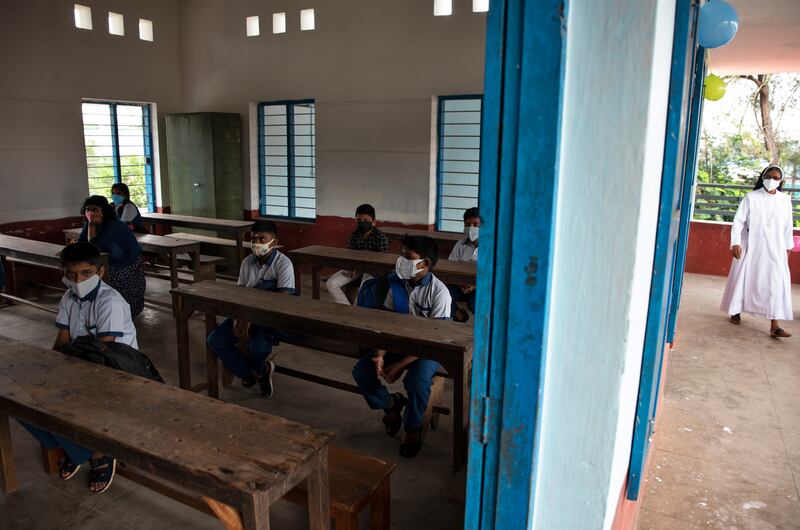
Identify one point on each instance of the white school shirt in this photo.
(429, 298)
(464, 250)
(278, 269)
(129, 213)
(759, 282)
(101, 313)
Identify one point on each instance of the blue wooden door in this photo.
(519, 160)
(667, 243)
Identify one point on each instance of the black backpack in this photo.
(112, 354)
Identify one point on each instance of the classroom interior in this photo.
(390, 103)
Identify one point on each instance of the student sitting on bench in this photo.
(364, 237)
(89, 307)
(266, 268)
(413, 290)
(465, 250)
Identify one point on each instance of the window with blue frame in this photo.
(118, 139)
(458, 159)
(287, 161)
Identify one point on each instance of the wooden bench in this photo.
(238, 461)
(237, 229)
(173, 250)
(211, 240)
(444, 341)
(445, 240)
(374, 263)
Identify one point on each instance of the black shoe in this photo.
(247, 382)
(393, 417)
(266, 379)
(410, 449)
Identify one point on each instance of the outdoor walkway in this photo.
(727, 448)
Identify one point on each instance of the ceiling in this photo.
(768, 39)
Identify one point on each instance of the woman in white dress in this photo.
(761, 238)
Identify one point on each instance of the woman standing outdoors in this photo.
(761, 238)
(110, 235)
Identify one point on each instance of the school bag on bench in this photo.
(112, 354)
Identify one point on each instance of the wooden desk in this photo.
(39, 252)
(442, 238)
(169, 247)
(238, 459)
(445, 341)
(237, 228)
(375, 263)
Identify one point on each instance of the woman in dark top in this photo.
(112, 236)
(127, 212)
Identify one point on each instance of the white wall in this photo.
(46, 67)
(615, 104)
(372, 67)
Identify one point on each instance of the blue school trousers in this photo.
(77, 453)
(458, 296)
(222, 342)
(418, 382)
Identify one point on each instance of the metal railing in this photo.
(718, 202)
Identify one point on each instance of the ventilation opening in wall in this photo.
(83, 17)
(480, 6)
(116, 24)
(278, 22)
(146, 29)
(442, 8)
(252, 26)
(306, 19)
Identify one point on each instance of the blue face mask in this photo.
(117, 198)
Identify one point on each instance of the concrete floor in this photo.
(424, 494)
(727, 447)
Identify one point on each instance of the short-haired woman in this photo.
(127, 212)
(112, 236)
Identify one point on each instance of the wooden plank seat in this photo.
(207, 269)
(211, 240)
(374, 263)
(356, 481)
(238, 460)
(446, 342)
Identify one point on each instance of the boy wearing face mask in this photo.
(465, 250)
(268, 269)
(364, 237)
(90, 307)
(413, 290)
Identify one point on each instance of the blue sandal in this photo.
(102, 471)
(68, 468)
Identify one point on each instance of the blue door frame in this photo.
(673, 184)
(519, 161)
(690, 174)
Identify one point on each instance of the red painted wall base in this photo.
(709, 250)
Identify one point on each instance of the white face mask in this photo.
(262, 249)
(771, 185)
(472, 232)
(406, 268)
(81, 289)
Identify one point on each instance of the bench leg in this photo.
(182, 333)
(431, 418)
(319, 500)
(380, 508)
(345, 520)
(255, 515)
(460, 416)
(315, 281)
(212, 372)
(227, 377)
(227, 515)
(8, 473)
(51, 458)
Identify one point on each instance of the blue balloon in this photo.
(717, 24)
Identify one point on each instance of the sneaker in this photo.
(266, 379)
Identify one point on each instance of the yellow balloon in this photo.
(714, 87)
